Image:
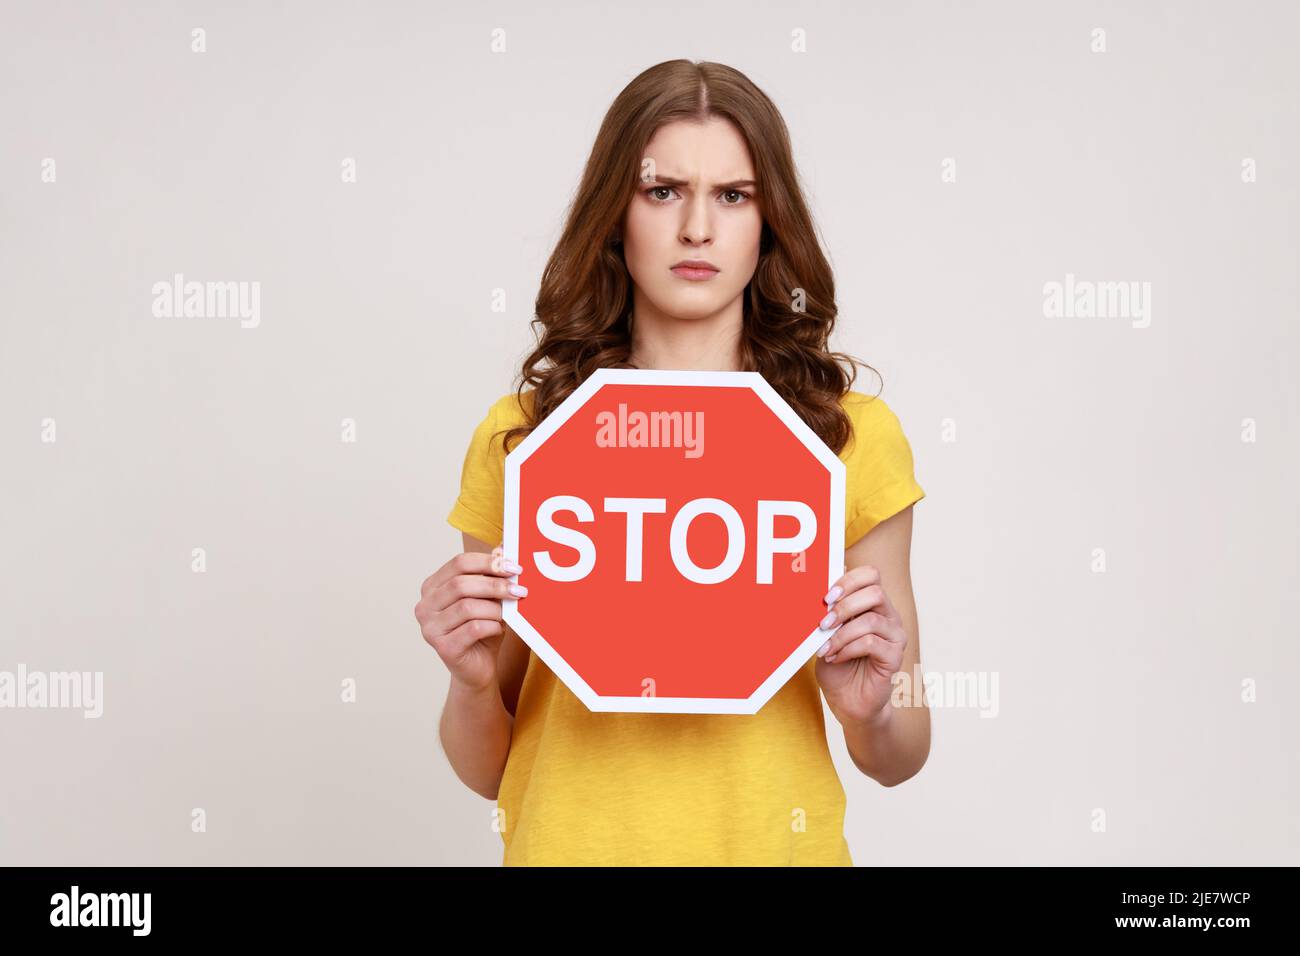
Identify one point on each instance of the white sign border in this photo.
(510, 537)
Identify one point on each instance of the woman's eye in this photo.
(654, 193)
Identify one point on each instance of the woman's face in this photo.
(696, 199)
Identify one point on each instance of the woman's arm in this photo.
(475, 733)
(475, 728)
(892, 745)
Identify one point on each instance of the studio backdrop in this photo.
(1064, 234)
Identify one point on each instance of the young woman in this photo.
(688, 246)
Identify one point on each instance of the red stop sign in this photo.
(677, 531)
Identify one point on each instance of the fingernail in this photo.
(821, 651)
(827, 621)
(518, 590)
(833, 594)
(511, 566)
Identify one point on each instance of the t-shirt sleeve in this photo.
(479, 509)
(879, 481)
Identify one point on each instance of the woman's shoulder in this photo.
(861, 400)
(868, 411)
(875, 425)
(881, 470)
(511, 409)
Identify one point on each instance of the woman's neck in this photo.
(711, 343)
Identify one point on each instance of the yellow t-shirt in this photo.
(612, 789)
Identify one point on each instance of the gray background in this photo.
(1118, 690)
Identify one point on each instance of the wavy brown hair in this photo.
(584, 302)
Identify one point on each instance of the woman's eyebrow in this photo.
(734, 184)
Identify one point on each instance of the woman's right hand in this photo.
(460, 613)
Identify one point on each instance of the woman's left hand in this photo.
(856, 665)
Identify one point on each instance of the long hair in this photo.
(584, 302)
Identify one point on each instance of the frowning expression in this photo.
(691, 232)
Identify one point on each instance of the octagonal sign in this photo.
(677, 532)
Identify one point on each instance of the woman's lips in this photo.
(694, 274)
